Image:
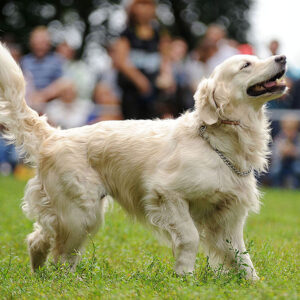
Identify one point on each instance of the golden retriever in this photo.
(191, 179)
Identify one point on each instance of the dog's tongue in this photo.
(269, 84)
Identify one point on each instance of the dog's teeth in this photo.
(259, 87)
(280, 80)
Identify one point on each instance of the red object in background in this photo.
(246, 49)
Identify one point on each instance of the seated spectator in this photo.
(285, 165)
(76, 70)
(106, 105)
(68, 111)
(43, 69)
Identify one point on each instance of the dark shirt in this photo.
(144, 55)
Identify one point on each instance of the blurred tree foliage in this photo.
(88, 23)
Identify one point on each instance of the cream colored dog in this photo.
(192, 178)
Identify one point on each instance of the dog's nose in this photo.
(281, 59)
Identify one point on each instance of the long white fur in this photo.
(162, 172)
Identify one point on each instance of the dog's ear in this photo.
(205, 104)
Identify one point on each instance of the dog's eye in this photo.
(247, 64)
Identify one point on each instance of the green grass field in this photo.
(124, 260)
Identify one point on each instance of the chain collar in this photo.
(228, 163)
(230, 122)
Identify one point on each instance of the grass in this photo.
(124, 261)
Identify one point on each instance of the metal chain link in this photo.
(228, 163)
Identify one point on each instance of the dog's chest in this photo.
(209, 203)
(223, 194)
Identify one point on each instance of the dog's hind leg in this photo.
(78, 221)
(36, 205)
(38, 247)
(171, 214)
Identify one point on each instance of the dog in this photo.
(191, 179)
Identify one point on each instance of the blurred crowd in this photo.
(150, 75)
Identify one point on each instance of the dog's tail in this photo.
(22, 125)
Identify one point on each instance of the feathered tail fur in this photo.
(22, 125)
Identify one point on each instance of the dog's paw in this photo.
(183, 271)
(255, 278)
(252, 277)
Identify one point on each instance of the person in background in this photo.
(293, 73)
(286, 101)
(43, 70)
(138, 60)
(165, 81)
(77, 71)
(68, 111)
(181, 73)
(110, 76)
(15, 51)
(274, 47)
(294, 95)
(285, 165)
(8, 154)
(217, 35)
(198, 65)
(106, 104)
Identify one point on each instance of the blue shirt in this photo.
(44, 70)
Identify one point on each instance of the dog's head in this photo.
(240, 80)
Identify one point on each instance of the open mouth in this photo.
(276, 84)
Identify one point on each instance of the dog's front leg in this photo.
(171, 214)
(238, 254)
(224, 243)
